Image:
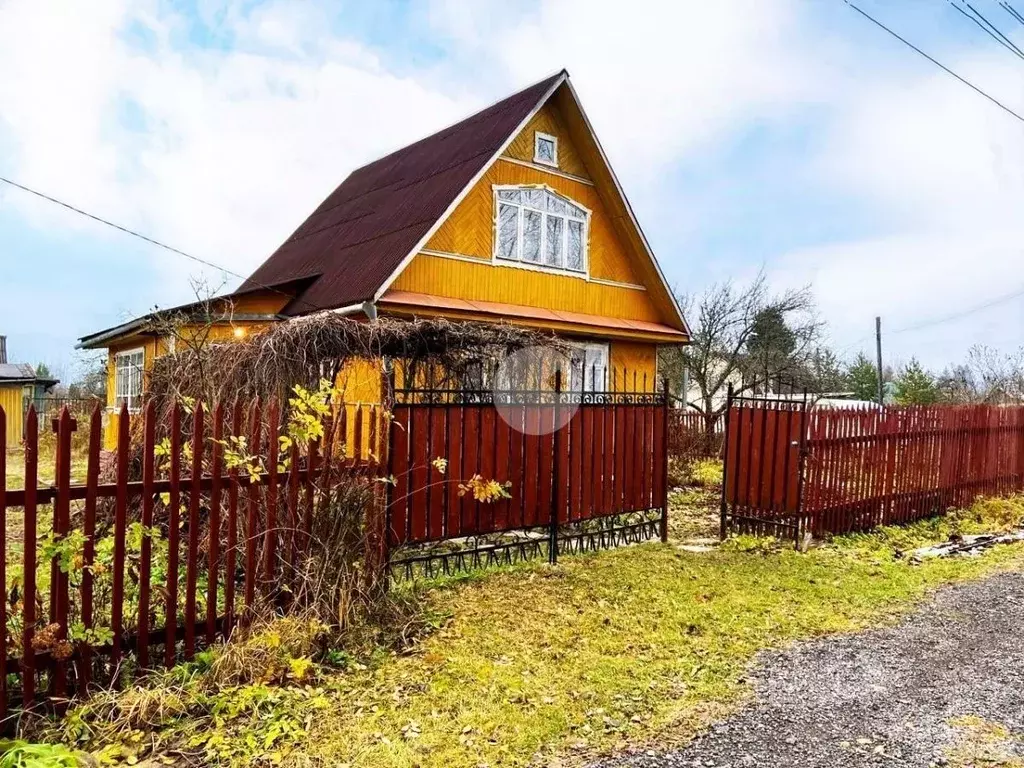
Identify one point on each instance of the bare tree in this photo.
(723, 321)
(987, 376)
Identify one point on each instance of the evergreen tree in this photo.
(826, 372)
(915, 386)
(862, 376)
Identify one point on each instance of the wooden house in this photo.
(18, 384)
(511, 215)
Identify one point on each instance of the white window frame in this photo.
(123, 394)
(594, 376)
(540, 266)
(537, 137)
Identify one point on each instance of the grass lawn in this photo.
(631, 646)
(548, 666)
(47, 451)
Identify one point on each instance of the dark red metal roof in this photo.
(355, 240)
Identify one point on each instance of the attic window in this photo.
(539, 228)
(545, 149)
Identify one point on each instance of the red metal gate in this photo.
(765, 447)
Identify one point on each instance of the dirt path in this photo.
(946, 684)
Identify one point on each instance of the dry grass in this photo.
(547, 666)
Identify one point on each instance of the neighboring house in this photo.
(512, 215)
(18, 384)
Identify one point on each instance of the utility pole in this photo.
(878, 349)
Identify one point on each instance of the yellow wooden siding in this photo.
(469, 231)
(11, 402)
(438, 276)
(629, 357)
(549, 120)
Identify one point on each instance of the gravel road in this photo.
(882, 697)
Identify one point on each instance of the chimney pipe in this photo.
(3, 350)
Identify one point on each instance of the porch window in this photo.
(128, 372)
(540, 228)
(589, 367)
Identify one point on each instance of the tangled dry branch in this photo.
(307, 349)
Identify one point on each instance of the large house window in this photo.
(128, 371)
(538, 227)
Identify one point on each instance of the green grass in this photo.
(541, 665)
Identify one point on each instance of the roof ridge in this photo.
(364, 231)
(467, 119)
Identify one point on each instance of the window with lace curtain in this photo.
(539, 228)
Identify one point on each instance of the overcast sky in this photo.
(794, 135)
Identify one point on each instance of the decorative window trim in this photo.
(537, 136)
(133, 400)
(518, 262)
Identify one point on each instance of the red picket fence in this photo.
(688, 438)
(869, 467)
(169, 552)
(791, 469)
(164, 546)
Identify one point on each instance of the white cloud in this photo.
(942, 171)
(236, 146)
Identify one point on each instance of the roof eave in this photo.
(562, 77)
(629, 209)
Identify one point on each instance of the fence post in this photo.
(664, 462)
(557, 443)
(379, 524)
(725, 464)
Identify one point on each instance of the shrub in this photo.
(705, 473)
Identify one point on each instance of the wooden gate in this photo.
(765, 448)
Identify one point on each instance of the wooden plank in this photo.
(516, 465)
(485, 458)
(92, 475)
(146, 547)
(419, 475)
(120, 537)
(468, 507)
(192, 551)
(398, 514)
(173, 542)
(214, 532)
(294, 515)
(270, 532)
(231, 544)
(532, 459)
(253, 498)
(436, 436)
(608, 453)
(503, 516)
(453, 455)
(61, 526)
(621, 449)
(28, 668)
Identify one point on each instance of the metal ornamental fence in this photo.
(578, 470)
(792, 470)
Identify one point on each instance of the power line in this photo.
(941, 66)
(944, 318)
(1011, 10)
(995, 29)
(149, 240)
(1011, 48)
